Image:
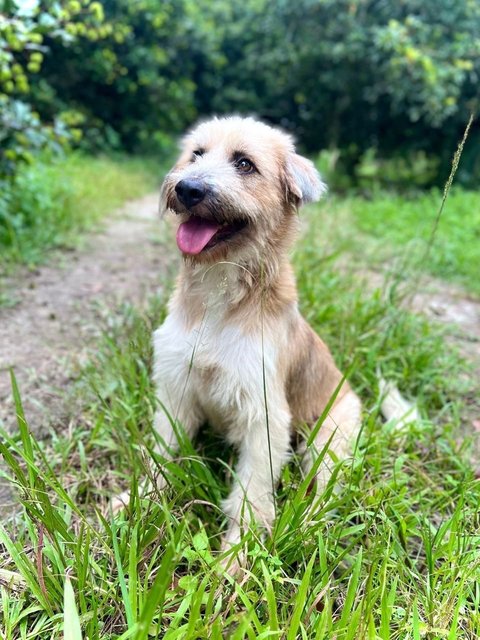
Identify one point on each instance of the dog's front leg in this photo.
(263, 451)
(178, 415)
(172, 427)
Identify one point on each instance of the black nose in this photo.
(190, 192)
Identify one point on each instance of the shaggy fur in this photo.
(234, 350)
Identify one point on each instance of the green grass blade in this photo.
(386, 609)
(416, 621)
(271, 599)
(121, 576)
(71, 621)
(133, 556)
(26, 569)
(22, 426)
(351, 592)
(156, 595)
(300, 600)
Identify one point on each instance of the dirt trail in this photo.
(446, 303)
(46, 335)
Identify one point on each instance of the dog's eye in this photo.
(244, 165)
(198, 153)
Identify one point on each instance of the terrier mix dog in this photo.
(234, 350)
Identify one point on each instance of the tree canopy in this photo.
(397, 77)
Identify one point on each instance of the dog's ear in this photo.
(302, 180)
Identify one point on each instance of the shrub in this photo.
(49, 201)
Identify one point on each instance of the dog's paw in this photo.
(119, 503)
(233, 563)
(233, 558)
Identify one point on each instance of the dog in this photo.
(234, 350)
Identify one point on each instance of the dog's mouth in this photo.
(200, 234)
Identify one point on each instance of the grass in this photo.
(395, 224)
(393, 554)
(52, 201)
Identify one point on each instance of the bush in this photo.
(24, 33)
(51, 200)
(397, 77)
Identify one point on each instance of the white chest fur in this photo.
(229, 374)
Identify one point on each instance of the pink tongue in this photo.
(195, 234)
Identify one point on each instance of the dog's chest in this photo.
(224, 366)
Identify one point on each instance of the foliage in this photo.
(22, 134)
(24, 31)
(131, 87)
(353, 75)
(399, 172)
(51, 200)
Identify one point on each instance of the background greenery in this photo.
(52, 200)
(392, 79)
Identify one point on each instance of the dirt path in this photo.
(46, 335)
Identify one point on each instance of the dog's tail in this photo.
(394, 406)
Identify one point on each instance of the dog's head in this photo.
(237, 185)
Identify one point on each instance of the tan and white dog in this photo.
(234, 350)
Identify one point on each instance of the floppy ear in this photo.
(303, 180)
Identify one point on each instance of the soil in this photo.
(46, 334)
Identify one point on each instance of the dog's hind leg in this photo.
(337, 434)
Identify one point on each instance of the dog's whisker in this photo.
(221, 262)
